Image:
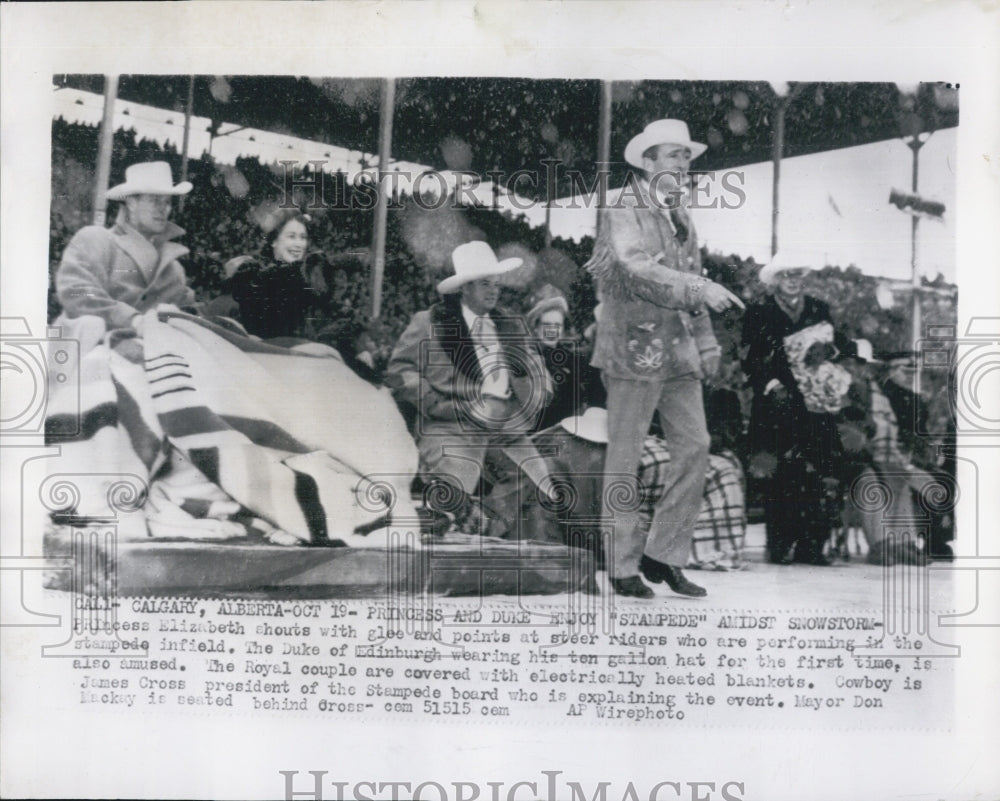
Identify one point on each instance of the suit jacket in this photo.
(116, 273)
(653, 322)
(434, 367)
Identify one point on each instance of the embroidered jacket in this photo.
(653, 323)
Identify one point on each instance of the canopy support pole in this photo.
(603, 146)
(104, 148)
(382, 208)
(188, 110)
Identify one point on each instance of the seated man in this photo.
(119, 273)
(474, 381)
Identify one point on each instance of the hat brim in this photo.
(584, 429)
(640, 143)
(547, 305)
(771, 271)
(122, 191)
(455, 282)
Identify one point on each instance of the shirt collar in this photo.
(470, 317)
(663, 201)
(171, 231)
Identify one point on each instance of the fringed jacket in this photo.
(434, 368)
(653, 322)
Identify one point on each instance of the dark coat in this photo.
(274, 298)
(575, 383)
(434, 369)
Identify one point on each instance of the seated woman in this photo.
(575, 383)
(271, 289)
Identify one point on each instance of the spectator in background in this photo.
(933, 451)
(271, 290)
(884, 488)
(792, 447)
(720, 531)
(575, 383)
(119, 273)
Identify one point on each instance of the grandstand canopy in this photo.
(504, 124)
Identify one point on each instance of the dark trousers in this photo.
(795, 512)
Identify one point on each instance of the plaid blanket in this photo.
(720, 531)
(224, 435)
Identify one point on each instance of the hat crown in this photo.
(472, 261)
(472, 257)
(545, 292)
(661, 132)
(782, 261)
(150, 174)
(667, 132)
(148, 178)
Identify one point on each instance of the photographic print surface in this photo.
(405, 427)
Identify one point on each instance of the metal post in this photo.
(382, 208)
(915, 145)
(104, 147)
(603, 142)
(188, 110)
(777, 149)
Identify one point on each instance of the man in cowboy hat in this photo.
(119, 273)
(654, 345)
(473, 378)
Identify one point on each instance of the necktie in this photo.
(496, 379)
(680, 225)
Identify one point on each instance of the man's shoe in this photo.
(631, 587)
(910, 554)
(658, 572)
(880, 554)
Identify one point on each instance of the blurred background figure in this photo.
(883, 488)
(915, 438)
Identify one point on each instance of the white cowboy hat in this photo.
(661, 132)
(592, 425)
(148, 178)
(861, 349)
(779, 263)
(472, 261)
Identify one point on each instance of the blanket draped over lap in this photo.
(226, 435)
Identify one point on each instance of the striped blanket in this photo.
(226, 436)
(720, 530)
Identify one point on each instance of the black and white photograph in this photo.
(511, 403)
